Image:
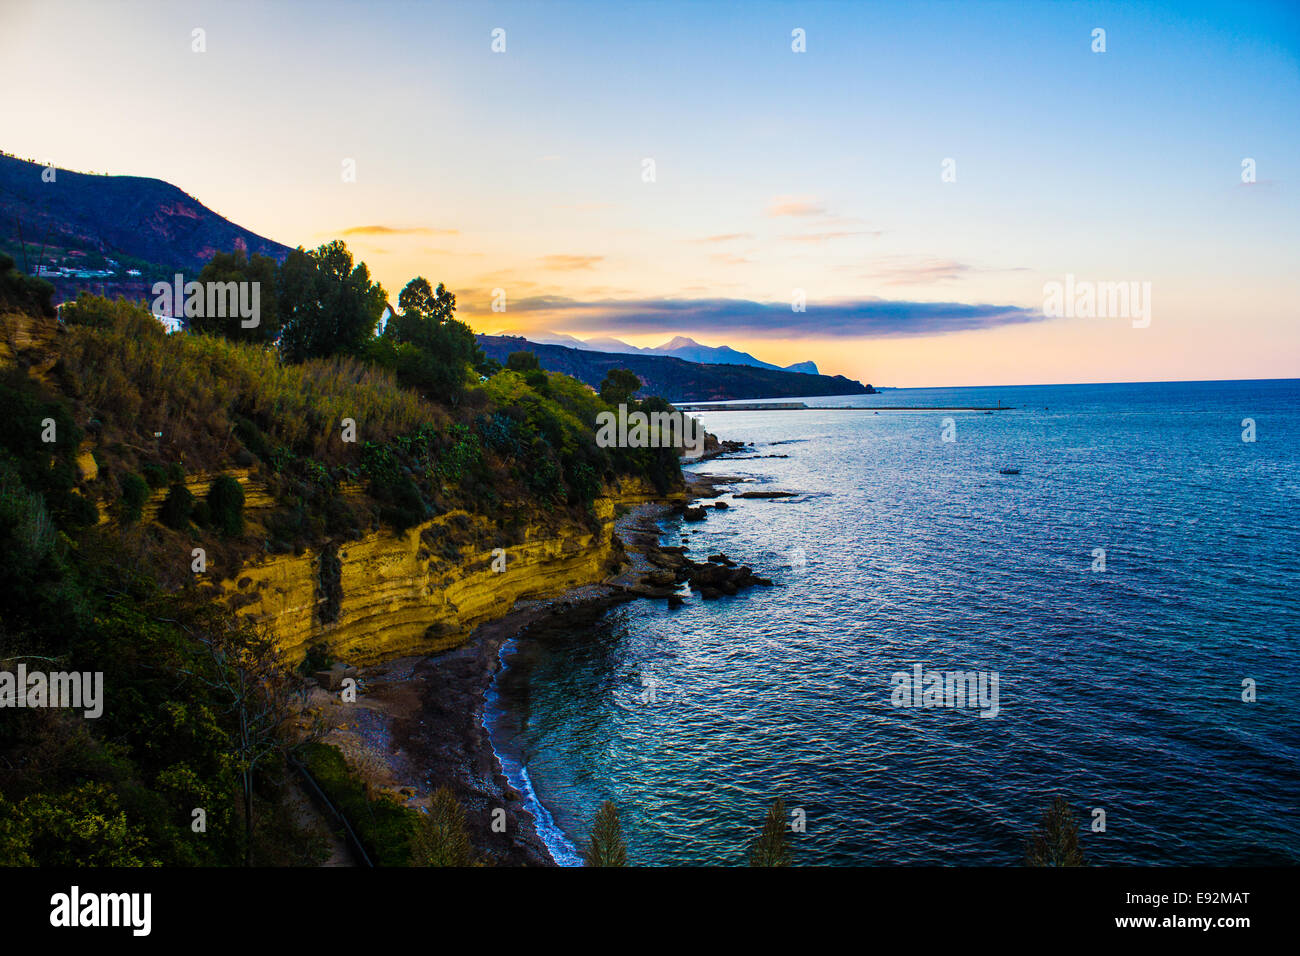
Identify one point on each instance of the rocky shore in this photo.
(418, 722)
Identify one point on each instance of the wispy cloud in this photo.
(918, 271)
(725, 237)
(795, 206)
(861, 318)
(829, 234)
(570, 263)
(398, 231)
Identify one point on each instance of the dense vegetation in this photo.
(122, 448)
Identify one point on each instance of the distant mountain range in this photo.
(678, 347)
(674, 378)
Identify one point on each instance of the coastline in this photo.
(420, 722)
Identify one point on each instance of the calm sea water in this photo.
(1119, 690)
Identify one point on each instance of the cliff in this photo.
(423, 590)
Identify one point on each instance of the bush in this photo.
(81, 512)
(772, 848)
(605, 847)
(440, 839)
(201, 514)
(384, 827)
(226, 503)
(177, 508)
(155, 476)
(135, 492)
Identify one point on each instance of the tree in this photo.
(605, 847)
(772, 848)
(238, 267)
(427, 346)
(523, 362)
(328, 306)
(176, 508)
(619, 385)
(264, 698)
(1055, 842)
(440, 839)
(135, 492)
(226, 505)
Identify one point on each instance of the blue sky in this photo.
(775, 170)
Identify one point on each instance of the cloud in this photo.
(725, 237)
(398, 231)
(861, 318)
(919, 271)
(795, 206)
(824, 236)
(729, 259)
(569, 263)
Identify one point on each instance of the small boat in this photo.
(1010, 471)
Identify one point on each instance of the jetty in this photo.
(803, 407)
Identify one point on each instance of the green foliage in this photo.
(197, 389)
(522, 362)
(1055, 842)
(618, 386)
(425, 344)
(155, 476)
(20, 292)
(605, 846)
(117, 315)
(463, 456)
(327, 305)
(384, 827)
(440, 838)
(330, 584)
(46, 467)
(237, 267)
(772, 847)
(135, 493)
(81, 827)
(226, 506)
(177, 508)
(81, 512)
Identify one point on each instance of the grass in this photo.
(383, 826)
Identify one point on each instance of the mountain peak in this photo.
(678, 342)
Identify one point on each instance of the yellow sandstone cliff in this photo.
(421, 591)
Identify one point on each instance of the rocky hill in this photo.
(87, 219)
(673, 378)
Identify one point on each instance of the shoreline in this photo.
(421, 722)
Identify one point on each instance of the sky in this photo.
(917, 176)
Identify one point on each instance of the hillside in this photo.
(188, 514)
(83, 221)
(673, 378)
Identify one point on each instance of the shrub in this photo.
(772, 848)
(155, 476)
(382, 825)
(440, 839)
(201, 514)
(1056, 840)
(135, 492)
(177, 508)
(605, 847)
(226, 503)
(82, 512)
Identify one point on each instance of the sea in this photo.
(1134, 589)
